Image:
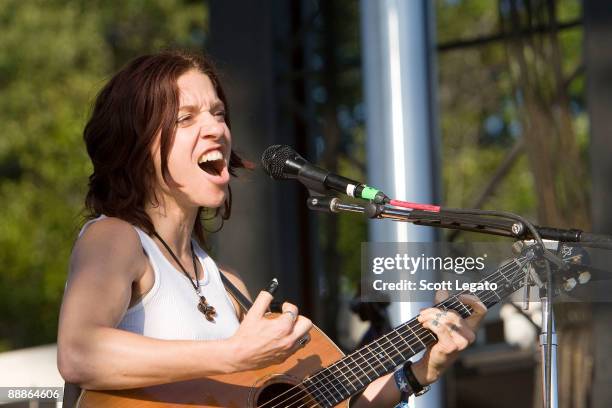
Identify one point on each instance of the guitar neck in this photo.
(353, 373)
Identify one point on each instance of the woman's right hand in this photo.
(261, 341)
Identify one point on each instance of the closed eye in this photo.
(183, 120)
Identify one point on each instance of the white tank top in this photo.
(169, 310)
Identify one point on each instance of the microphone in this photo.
(281, 162)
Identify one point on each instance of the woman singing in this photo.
(144, 304)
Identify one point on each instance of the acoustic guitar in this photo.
(319, 374)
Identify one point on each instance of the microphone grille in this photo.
(273, 160)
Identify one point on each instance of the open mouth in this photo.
(213, 163)
(213, 167)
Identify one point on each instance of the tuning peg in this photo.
(584, 277)
(569, 284)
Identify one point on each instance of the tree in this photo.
(54, 56)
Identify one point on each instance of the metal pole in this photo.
(398, 52)
(547, 314)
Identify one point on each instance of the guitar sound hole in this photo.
(282, 395)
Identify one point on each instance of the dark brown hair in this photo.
(139, 101)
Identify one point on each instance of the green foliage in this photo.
(477, 84)
(54, 56)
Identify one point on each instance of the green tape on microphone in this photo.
(369, 193)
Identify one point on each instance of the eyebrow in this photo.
(215, 105)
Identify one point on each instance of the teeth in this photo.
(211, 156)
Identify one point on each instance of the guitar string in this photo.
(420, 330)
(374, 370)
(377, 364)
(486, 296)
(447, 303)
(355, 356)
(337, 400)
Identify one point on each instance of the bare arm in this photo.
(106, 262)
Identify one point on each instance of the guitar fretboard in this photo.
(351, 374)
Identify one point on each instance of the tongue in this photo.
(210, 168)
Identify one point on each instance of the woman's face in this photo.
(198, 158)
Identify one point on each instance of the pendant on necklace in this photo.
(208, 310)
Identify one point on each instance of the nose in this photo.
(211, 128)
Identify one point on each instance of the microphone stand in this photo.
(548, 347)
(493, 223)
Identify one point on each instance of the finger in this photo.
(462, 335)
(260, 306)
(445, 340)
(301, 327)
(431, 313)
(290, 310)
(478, 310)
(440, 296)
(452, 317)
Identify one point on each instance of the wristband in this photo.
(403, 386)
(401, 381)
(417, 388)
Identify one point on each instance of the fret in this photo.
(378, 352)
(490, 302)
(379, 362)
(386, 352)
(393, 345)
(337, 379)
(404, 340)
(500, 276)
(343, 361)
(468, 312)
(367, 361)
(359, 366)
(334, 384)
(345, 377)
(330, 380)
(415, 335)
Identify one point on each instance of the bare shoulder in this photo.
(106, 260)
(110, 243)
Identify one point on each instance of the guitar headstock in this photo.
(569, 263)
(577, 260)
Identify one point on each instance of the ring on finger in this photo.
(303, 340)
(454, 328)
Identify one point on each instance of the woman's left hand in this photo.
(454, 335)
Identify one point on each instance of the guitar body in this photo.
(247, 389)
